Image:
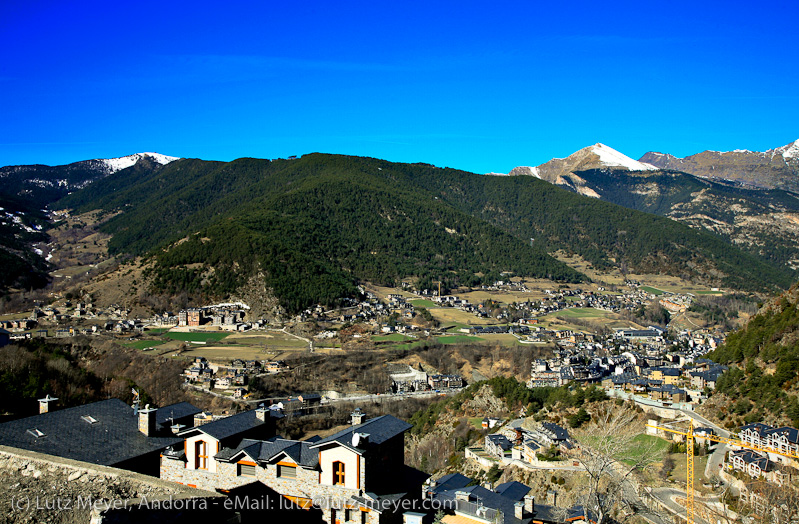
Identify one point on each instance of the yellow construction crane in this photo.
(690, 436)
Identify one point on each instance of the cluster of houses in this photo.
(405, 379)
(519, 443)
(233, 377)
(667, 373)
(464, 501)
(771, 467)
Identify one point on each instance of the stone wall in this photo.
(35, 487)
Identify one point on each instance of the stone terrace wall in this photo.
(42, 488)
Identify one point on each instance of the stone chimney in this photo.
(360, 440)
(262, 413)
(44, 403)
(529, 504)
(358, 417)
(147, 420)
(552, 497)
(518, 510)
(462, 495)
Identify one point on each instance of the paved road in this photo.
(371, 398)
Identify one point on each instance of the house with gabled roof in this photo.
(465, 502)
(357, 474)
(750, 462)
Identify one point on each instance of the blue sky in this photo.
(473, 85)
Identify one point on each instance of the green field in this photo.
(195, 337)
(476, 422)
(458, 339)
(422, 302)
(144, 344)
(394, 337)
(582, 312)
(649, 289)
(642, 444)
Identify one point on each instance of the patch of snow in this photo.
(789, 151)
(38, 251)
(118, 164)
(18, 221)
(48, 257)
(496, 174)
(612, 158)
(229, 304)
(525, 171)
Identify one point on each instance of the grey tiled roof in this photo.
(380, 429)
(513, 490)
(112, 439)
(451, 481)
(228, 426)
(266, 450)
(164, 416)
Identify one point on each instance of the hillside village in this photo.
(661, 372)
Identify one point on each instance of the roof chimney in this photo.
(529, 504)
(360, 440)
(518, 510)
(147, 420)
(358, 416)
(462, 495)
(43, 403)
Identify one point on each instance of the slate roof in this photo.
(164, 416)
(380, 429)
(486, 498)
(792, 434)
(513, 490)
(266, 450)
(498, 439)
(452, 481)
(750, 457)
(557, 432)
(112, 439)
(229, 426)
(503, 499)
(757, 427)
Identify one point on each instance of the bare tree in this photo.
(611, 458)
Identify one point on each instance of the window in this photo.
(286, 472)
(347, 515)
(338, 473)
(246, 470)
(201, 455)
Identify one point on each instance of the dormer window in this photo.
(90, 419)
(37, 433)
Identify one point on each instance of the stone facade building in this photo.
(356, 475)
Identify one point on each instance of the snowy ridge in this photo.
(789, 151)
(611, 158)
(117, 164)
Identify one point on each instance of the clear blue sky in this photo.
(479, 86)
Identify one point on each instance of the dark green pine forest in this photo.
(316, 226)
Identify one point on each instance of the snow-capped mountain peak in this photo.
(611, 158)
(117, 164)
(789, 151)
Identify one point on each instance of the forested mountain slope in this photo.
(316, 225)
